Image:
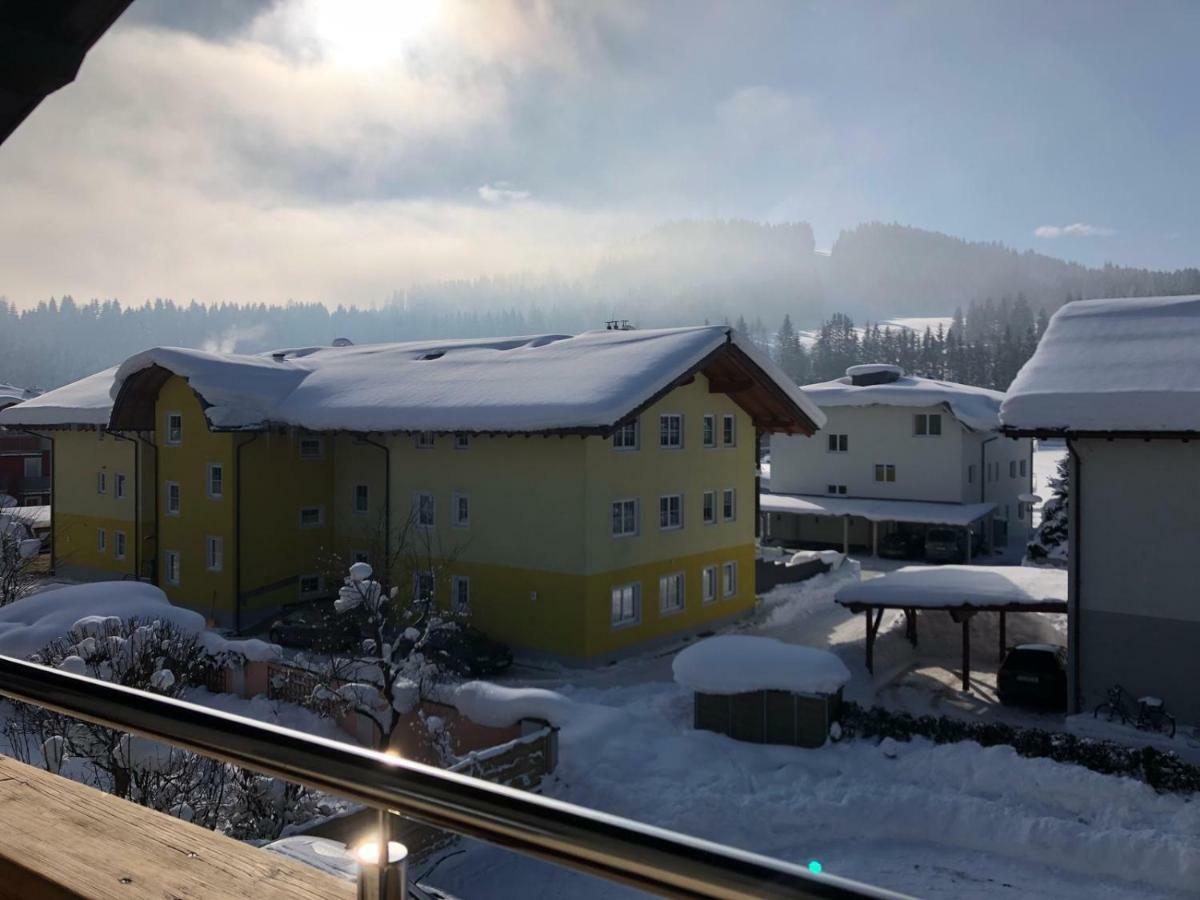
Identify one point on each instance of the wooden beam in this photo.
(729, 386)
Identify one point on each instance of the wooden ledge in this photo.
(59, 838)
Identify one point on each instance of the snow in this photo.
(1111, 366)
(535, 383)
(331, 857)
(929, 513)
(874, 369)
(933, 587)
(10, 394)
(83, 402)
(920, 323)
(976, 408)
(737, 663)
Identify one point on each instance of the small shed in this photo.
(761, 690)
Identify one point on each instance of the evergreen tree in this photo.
(1049, 544)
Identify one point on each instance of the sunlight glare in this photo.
(365, 33)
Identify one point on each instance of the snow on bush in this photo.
(736, 664)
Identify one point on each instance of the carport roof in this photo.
(916, 511)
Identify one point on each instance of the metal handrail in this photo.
(618, 849)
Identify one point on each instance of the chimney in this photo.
(874, 373)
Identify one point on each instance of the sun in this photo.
(366, 33)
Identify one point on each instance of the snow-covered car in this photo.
(1034, 675)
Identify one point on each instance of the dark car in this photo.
(949, 545)
(1034, 675)
(315, 626)
(467, 651)
(902, 545)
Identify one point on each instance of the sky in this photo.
(337, 150)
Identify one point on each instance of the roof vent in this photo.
(343, 342)
(618, 325)
(874, 373)
(279, 355)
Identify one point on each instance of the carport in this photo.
(960, 591)
(915, 512)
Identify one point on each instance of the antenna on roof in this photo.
(618, 325)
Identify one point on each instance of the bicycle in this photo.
(1116, 706)
(1150, 713)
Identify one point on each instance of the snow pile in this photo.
(10, 394)
(933, 587)
(498, 706)
(787, 604)
(977, 408)
(96, 610)
(738, 663)
(1113, 365)
(83, 402)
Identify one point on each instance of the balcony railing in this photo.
(607, 846)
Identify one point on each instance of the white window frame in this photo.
(178, 438)
(637, 517)
(888, 469)
(460, 605)
(218, 468)
(320, 511)
(318, 586)
(119, 485)
(178, 510)
(462, 440)
(101, 541)
(672, 590)
(837, 442)
(729, 509)
(366, 508)
(312, 440)
(664, 429)
(118, 545)
(664, 506)
(25, 467)
(708, 507)
(729, 578)
(420, 578)
(214, 562)
(101, 482)
(728, 430)
(923, 424)
(708, 433)
(419, 511)
(620, 620)
(835, 490)
(708, 584)
(461, 521)
(424, 440)
(627, 437)
(172, 563)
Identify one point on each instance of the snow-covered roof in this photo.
(918, 511)
(10, 394)
(521, 384)
(937, 587)
(83, 402)
(976, 408)
(1129, 365)
(737, 663)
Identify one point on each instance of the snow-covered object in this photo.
(926, 512)
(498, 706)
(874, 369)
(1113, 365)
(10, 394)
(84, 402)
(360, 571)
(737, 663)
(54, 751)
(329, 856)
(831, 558)
(73, 664)
(162, 680)
(143, 754)
(933, 587)
(889, 747)
(535, 383)
(976, 408)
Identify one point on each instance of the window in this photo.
(839, 443)
(670, 431)
(927, 424)
(462, 441)
(1012, 468)
(311, 516)
(119, 544)
(362, 499)
(101, 483)
(426, 511)
(119, 486)
(171, 558)
(710, 507)
(216, 481)
(710, 431)
(708, 584)
(1020, 510)
(33, 467)
(835, 489)
(460, 594)
(214, 553)
(970, 474)
(627, 604)
(101, 540)
(424, 440)
(174, 428)
(462, 511)
(670, 593)
(729, 571)
(626, 436)
(1024, 471)
(423, 587)
(311, 448)
(728, 504)
(729, 430)
(360, 556)
(309, 585)
(624, 518)
(173, 498)
(885, 472)
(670, 511)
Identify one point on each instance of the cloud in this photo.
(502, 192)
(1079, 229)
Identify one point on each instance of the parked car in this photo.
(949, 545)
(902, 545)
(1034, 675)
(315, 626)
(465, 650)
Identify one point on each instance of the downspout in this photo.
(983, 479)
(387, 499)
(237, 533)
(137, 510)
(53, 494)
(1074, 567)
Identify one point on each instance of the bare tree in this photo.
(19, 549)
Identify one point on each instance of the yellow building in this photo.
(579, 496)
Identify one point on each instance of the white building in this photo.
(900, 454)
(1120, 381)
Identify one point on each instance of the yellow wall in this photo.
(79, 510)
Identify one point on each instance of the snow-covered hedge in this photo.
(1162, 770)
